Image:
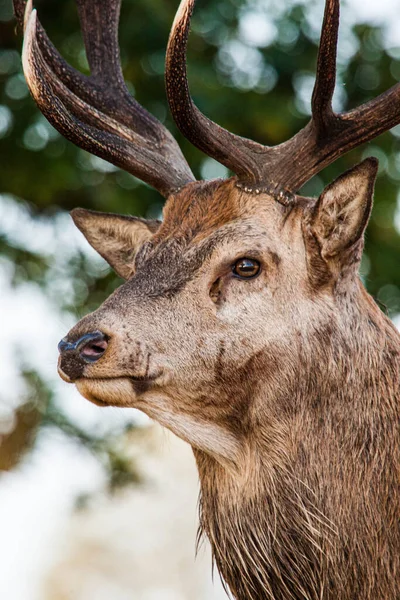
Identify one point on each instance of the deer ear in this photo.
(116, 238)
(342, 211)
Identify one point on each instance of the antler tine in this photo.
(371, 119)
(99, 24)
(237, 153)
(90, 114)
(326, 68)
(70, 76)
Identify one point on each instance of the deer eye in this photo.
(246, 268)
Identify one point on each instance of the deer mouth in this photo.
(115, 391)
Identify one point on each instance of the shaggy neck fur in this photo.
(315, 512)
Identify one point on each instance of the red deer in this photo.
(243, 326)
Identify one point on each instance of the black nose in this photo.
(90, 347)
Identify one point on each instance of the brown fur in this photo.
(316, 514)
(286, 385)
(199, 209)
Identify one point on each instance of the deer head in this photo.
(235, 301)
(216, 293)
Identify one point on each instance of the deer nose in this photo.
(90, 347)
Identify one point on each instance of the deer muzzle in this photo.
(74, 356)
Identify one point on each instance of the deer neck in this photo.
(298, 520)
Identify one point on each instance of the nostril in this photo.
(90, 346)
(93, 350)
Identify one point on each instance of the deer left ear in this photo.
(116, 238)
(342, 212)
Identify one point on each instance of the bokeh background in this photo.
(97, 503)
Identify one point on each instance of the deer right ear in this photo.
(341, 214)
(116, 238)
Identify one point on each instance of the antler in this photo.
(291, 164)
(96, 112)
(237, 153)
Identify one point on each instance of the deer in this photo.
(243, 325)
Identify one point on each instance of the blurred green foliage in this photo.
(253, 87)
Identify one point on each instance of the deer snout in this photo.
(75, 355)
